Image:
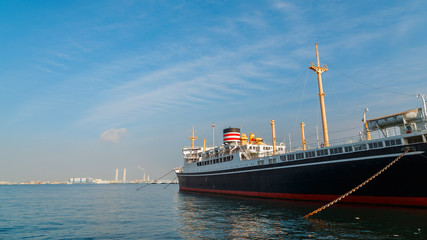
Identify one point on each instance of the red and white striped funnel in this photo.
(231, 135)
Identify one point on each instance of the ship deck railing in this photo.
(348, 145)
(339, 146)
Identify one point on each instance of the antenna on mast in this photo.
(319, 70)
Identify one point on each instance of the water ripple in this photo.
(121, 212)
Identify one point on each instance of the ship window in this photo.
(290, 157)
(299, 155)
(416, 139)
(348, 149)
(336, 150)
(393, 142)
(283, 158)
(260, 162)
(374, 145)
(310, 154)
(359, 147)
(322, 152)
(273, 160)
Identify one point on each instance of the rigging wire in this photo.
(337, 131)
(368, 85)
(280, 101)
(171, 182)
(155, 180)
(300, 101)
(373, 87)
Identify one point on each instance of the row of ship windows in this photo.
(265, 148)
(338, 150)
(218, 160)
(270, 161)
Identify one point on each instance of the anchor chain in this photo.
(360, 185)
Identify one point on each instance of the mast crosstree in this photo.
(193, 138)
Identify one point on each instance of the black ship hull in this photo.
(325, 178)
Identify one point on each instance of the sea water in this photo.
(119, 211)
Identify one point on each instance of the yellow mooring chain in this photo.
(362, 184)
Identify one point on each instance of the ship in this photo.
(247, 166)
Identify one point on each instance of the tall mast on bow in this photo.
(319, 70)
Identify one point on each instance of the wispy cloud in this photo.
(113, 135)
(197, 82)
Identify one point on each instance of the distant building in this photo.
(85, 180)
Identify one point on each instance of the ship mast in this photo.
(213, 135)
(193, 138)
(304, 147)
(273, 133)
(319, 70)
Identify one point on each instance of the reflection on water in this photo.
(227, 217)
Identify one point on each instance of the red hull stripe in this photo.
(403, 201)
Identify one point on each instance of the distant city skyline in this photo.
(87, 87)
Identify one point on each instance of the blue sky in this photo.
(91, 86)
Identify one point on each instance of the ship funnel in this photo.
(231, 135)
